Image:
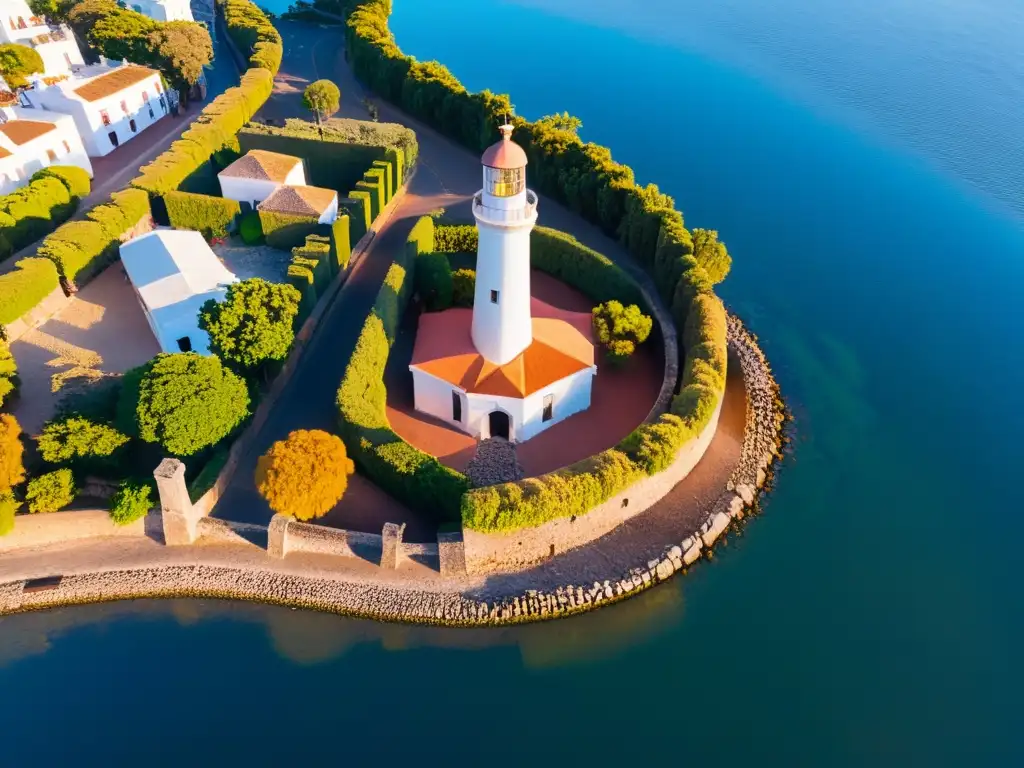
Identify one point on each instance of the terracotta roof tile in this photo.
(263, 165)
(562, 345)
(4, 153)
(301, 201)
(114, 81)
(23, 131)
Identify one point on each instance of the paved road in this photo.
(447, 176)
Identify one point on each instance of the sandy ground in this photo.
(101, 331)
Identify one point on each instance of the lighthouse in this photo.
(513, 365)
(505, 212)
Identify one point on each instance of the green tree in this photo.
(711, 254)
(253, 325)
(50, 492)
(124, 35)
(463, 287)
(76, 438)
(182, 49)
(8, 372)
(131, 502)
(620, 329)
(305, 475)
(562, 122)
(322, 98)
(183, 402)
(54, 10)
(18, 61)
(12, 469)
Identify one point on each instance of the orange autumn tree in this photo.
(12, 470)
(305, 475)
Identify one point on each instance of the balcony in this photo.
(505, 216)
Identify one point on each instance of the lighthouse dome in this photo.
(505, 154)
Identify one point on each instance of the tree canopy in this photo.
(711, 254)
(184, 402)
(17, 62)
(305, 475)
(8, 372)
(254, 323)
(620, 329)
(322, 98)
(12, 470)
(562, 122)
(78, 438)
(182, 48)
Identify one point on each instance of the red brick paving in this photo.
(620, 401)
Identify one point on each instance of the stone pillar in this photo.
(451, 554)
(180, 520)
(277, 535)
(391, 541)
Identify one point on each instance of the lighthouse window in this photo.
(506, 182)
(494, 297)
(549, 407)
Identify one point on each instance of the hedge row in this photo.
(251, 30)
(213, 216)
(288, 230)
(341, 157)
(24, 287)
(414, 477)
(50, 197)
(315, 263)
(81, 249)
(8, 373)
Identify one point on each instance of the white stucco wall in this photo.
(296, 176)
(26, 159)
(52, 54)
(165, 10)
(433, 396)
(502, 331)
(331, 213)
(243, 190)
(571, 395)
(13, 10)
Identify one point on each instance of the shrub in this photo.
(8, 509)
(76, 180)
(322, 98)
(620, 329)
(79, 441)
(28, 213)
(96, 403)
(17, 61)
(8, 372)
(463, 287)
(693, 282)
(76, 246)
(253, 325)
(460, 238)
(184, 402)
(12, 469)
(50, 492)
(583, 268)
(248, 25)
(212, 216)
(131, 502)
(434, 281)
(251, 228)
(357, 204)
(388, 175)
(305, 475)
(341, 242)
(711, 254)
(24, 287)
(375, 190)
(267, 56)
(285, 231)
(300, 277)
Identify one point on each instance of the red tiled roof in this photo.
(23, 131)
(562, 345)
(114, 81)
(263, 165)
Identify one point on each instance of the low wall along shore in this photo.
(52, 528)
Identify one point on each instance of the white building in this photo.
(31, 140)
(55, 44)
(163, 10)
(256, 175)
(174, 273)
(303, 201)
(512, 366)
(110, 103)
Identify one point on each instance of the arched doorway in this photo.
(498, 423)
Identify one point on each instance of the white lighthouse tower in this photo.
(512, 366)
(505, 212)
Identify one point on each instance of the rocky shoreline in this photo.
(442, 603)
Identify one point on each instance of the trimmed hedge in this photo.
(301, 277)
(212, 216)
(9, 381)
(24, 287)
(285, 231)
(414, 477)
(375, 190)
(388, 173)
(456, 238)
(50, 198)
(341, 157)
(249, 27)
(341, 242)
(357, 204)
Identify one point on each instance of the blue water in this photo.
(864, 165)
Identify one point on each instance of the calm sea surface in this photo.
(865, 164)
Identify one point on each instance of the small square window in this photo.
(105, 117)
(494, 297)
(549, 407)
(456, 407)
(67, 148)
(131, 124)
(52, 155)
(185, 344)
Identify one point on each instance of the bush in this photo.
(79, 442)
(131, 502)
(24, 287)
(463, 287)
(50, 492)
(357, 205)
(375, 190)
(212, 216)
(267, 56)
(341, 242)
(583, 268)
(285, 231)
(434, 281)
(8, 509)
(711, 254)
(460, 238)
(28, 213)
(253, 325)
(12, 469)
(251, 228)
(184, 402)
(620, 329)
(75, 180)
(8, 373)
(18, 61)
(248, 26)
(304, 476)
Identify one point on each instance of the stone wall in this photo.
(286, 536)
(61, 527)
(210, 530)
(487, 552)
